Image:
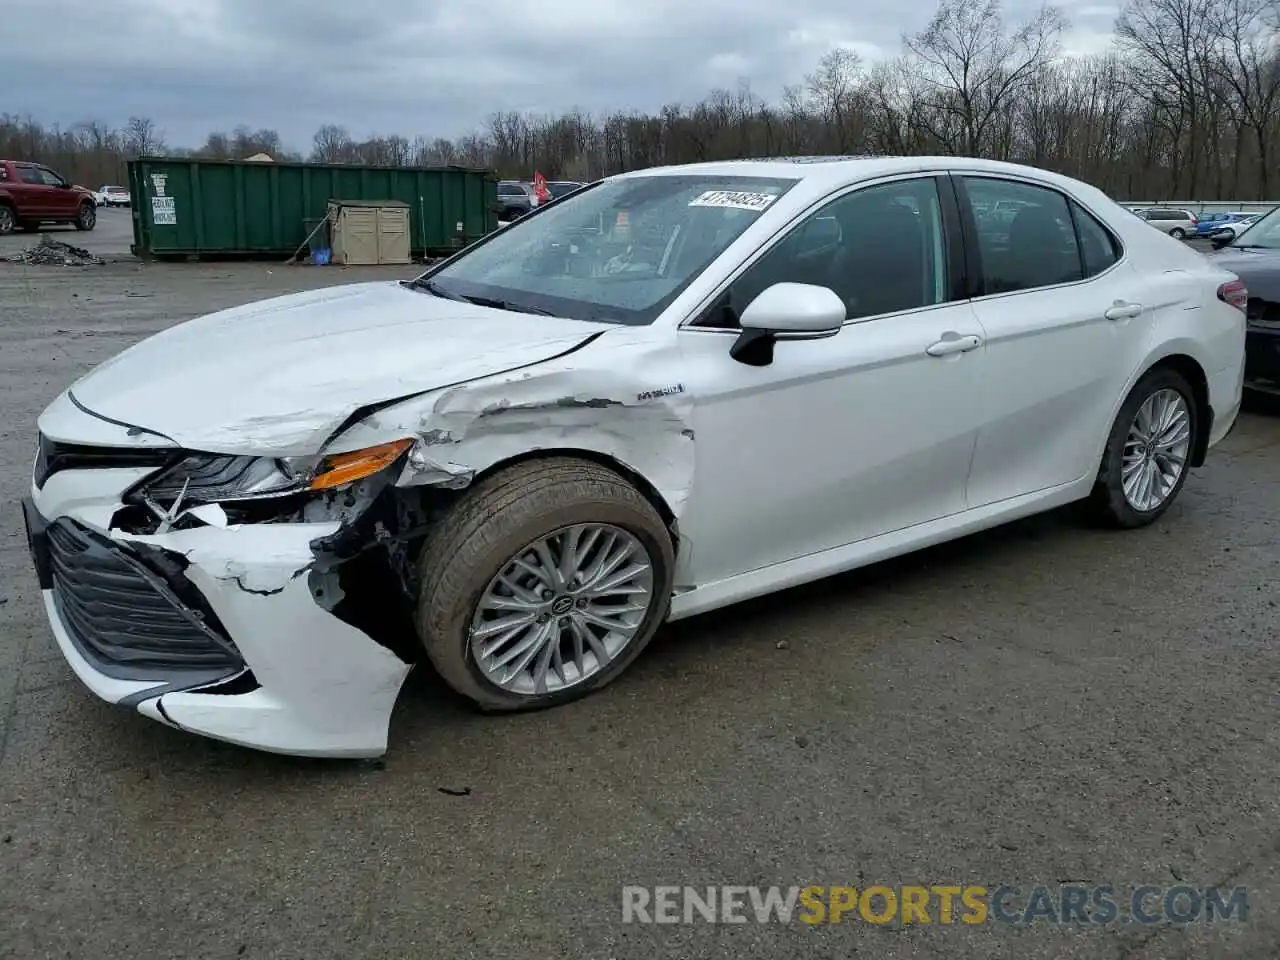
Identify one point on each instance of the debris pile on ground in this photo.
(50, 252)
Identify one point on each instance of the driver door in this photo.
(850, 437)
(62, 200)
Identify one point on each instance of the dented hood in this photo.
(279, 376)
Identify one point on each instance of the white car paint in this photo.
(842, 452)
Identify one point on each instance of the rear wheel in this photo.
(8, 221)
(1178, 233)
(1148, 453)
(86, 217)
(543, 584)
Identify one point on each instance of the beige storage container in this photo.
(369, 232)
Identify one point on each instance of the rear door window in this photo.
(1034, 246)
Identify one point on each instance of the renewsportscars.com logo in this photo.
(969, 904)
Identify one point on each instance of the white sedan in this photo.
(674, 390)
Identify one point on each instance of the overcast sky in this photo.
(433, 67)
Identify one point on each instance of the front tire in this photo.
(8, 220)
(543, 584)
(86, 217)
(1148, 453)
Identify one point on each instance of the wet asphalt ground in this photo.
(1041, 704)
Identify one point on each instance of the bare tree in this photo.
(331, 144)
(976, 68)
(141, 137)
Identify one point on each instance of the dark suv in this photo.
(515, 199)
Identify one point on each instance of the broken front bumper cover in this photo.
(210, 630)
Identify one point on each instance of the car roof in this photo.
(832, 171)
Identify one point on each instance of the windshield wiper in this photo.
(1248, 246)
(433, 288)
(505, 305)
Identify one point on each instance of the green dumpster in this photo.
(186, 207)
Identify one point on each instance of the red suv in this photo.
(31, 194)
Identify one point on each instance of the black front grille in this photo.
(124, 613)
(54, 456)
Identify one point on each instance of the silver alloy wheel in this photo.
(87, 216)
(1156, 450)
(7, 222)
(562, 609)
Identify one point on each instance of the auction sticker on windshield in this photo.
(734, 199)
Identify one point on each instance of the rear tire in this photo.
(478, 567)
(1148, 453)
(1178, 233)
(86, 217)
(8, 220)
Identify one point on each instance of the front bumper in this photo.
(212, 630)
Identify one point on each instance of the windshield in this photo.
(618, 251)
(1263, 233)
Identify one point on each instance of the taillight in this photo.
(1235, 293)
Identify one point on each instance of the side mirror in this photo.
(786, 311)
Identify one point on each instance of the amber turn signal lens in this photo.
(345, 467)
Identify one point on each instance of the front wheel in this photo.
(543, 584)
(86, 217)
(1148, 453)
(8, 221)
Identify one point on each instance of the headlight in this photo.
(215, 478)
(211, 477)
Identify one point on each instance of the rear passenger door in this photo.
(1062, 309)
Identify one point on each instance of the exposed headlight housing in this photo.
(223, 478)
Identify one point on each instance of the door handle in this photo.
(1123, 311)
(953, 343)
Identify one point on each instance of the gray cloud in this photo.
(434, 67)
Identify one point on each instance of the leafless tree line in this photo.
(1185, 105)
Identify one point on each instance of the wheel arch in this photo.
(633, 476)
(1190, 370)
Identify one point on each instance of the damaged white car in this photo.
(670, 391)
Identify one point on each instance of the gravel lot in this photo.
(110, 239)
(1040, 704)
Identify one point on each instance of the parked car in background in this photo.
(32, 194)
(1231, 229)
(561, 188)
(1209, 222)
(677, 390)
(113, 197)
(1179, 224)
(1254, 256)
(515, 199)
